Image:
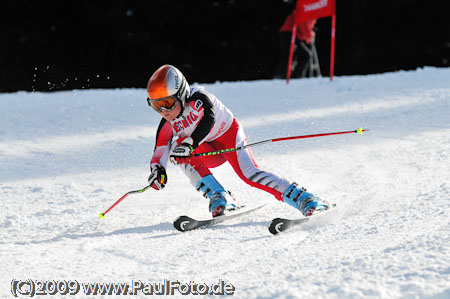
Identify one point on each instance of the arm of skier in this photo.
(206, 123)
(158, 176)
(181, 154)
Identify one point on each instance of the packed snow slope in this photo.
(67, 156)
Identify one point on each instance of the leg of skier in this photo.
(247, 169)
(245, 166)
(203, 180)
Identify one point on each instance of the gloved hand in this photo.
(158, 177)
(182, 153)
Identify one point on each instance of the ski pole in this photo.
(359, 131)
(102, 215)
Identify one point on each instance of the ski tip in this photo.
(101, 216)
(181, 222)
(276, 226)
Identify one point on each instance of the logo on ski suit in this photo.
(185, 122)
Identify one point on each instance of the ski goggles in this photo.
(167, 104)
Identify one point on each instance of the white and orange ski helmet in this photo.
(166, 86)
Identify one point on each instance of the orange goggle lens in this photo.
(159, 105)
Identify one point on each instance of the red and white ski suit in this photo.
(213, 127)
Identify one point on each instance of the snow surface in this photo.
(67, 156)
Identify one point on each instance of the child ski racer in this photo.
(195, 121)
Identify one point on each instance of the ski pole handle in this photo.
(219, 152)
(102, 215)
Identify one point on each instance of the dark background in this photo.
(50, 45)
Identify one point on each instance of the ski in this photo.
(186, 223)
(279, 225)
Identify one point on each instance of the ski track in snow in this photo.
(67, 156)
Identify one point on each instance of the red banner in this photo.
(308, 10)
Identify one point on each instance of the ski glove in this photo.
(158, 177)
(182, 153)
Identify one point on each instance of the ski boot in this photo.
(219, 199)
(304, 201)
